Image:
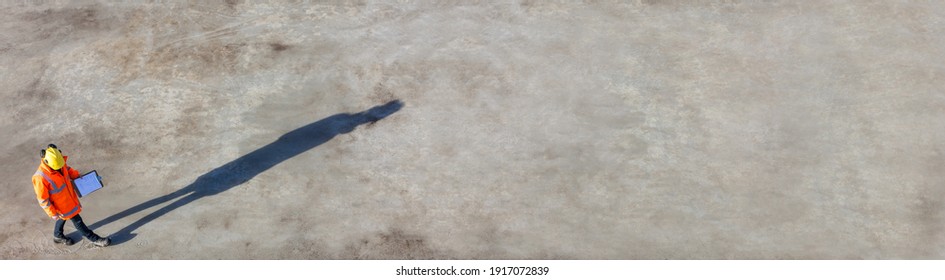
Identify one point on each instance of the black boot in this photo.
(100, 241)
(63, 240)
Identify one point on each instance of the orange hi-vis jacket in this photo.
(55, 192)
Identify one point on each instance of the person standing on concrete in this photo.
(56, 194)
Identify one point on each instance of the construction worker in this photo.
(56, 194)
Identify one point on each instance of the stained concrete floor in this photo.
(511, 130)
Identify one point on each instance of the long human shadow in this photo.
(246, 167)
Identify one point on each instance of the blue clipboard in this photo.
(87, 183)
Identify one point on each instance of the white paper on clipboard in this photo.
(87, 184)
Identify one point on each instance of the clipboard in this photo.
(87, 183)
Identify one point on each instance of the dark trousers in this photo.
(79, 225)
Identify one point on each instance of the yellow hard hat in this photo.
(53, 158)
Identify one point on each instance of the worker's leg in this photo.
(84, 230)
(57, 231)
(91, 236)
(58, 237)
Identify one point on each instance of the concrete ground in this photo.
(494, 130)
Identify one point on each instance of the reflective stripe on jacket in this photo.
(54, 191)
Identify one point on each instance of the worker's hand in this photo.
(57, 217)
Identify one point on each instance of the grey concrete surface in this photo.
(526, 130)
